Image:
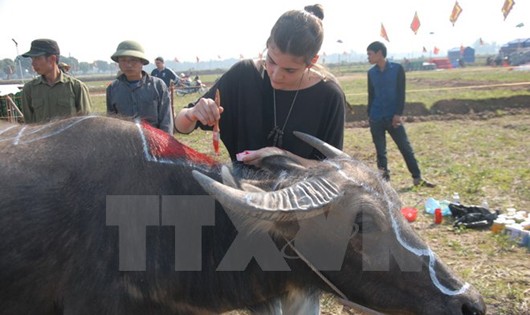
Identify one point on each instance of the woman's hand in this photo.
(206, 111)
(255, 157)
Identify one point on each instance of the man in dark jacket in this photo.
(386, 101)
(164, 73)
(137, 94)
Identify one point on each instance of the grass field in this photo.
(482, 159)
(425, 87)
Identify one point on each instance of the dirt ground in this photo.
(449, 110)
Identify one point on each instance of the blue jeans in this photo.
(399, 135)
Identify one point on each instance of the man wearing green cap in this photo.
(54, 93)
(137, 94)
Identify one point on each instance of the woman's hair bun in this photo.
(315, 9)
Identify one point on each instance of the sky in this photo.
(208, 29)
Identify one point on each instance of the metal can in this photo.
(438, 216)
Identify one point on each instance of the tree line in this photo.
(12, 69)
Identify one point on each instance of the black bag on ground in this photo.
(472, 216)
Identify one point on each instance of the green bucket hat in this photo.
(130, 48)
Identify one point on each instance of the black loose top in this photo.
(248, 117)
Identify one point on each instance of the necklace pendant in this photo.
(272, 133)
(276, 135)
(279, 141)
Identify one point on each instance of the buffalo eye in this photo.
(365, 223)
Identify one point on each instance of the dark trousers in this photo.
(399, 135)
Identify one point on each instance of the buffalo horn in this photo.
(328, 150)
(303, 196)
(228, 178)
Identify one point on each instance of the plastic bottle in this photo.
(456, 198)
(438, 216)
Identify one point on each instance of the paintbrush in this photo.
(216, 132)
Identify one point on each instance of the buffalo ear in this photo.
(281, 163)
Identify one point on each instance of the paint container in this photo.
(517, 234)
(526, 239)
(410, 214)
(510, 212)
(498, 226)
(438, 216)
(520, 216)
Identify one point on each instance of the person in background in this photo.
(54, 94)
(264, 101)
(184, 80)
(135, 93)
(386, 102)
(64, 67)
(167, 75)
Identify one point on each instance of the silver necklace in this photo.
(276, 133)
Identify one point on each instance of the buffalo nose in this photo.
(474, 308)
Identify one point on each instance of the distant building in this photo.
(514, 45)
(515, 52)
(457, 55)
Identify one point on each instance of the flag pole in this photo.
(171, 97)
(19, 63)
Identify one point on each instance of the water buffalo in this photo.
(105, 216)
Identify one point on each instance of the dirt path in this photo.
(450, 110)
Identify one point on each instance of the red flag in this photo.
(197, 57)
(457, 9)
(415, 25)
(383, 33)
(436, 50)
(507, 7)
(424, 49)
